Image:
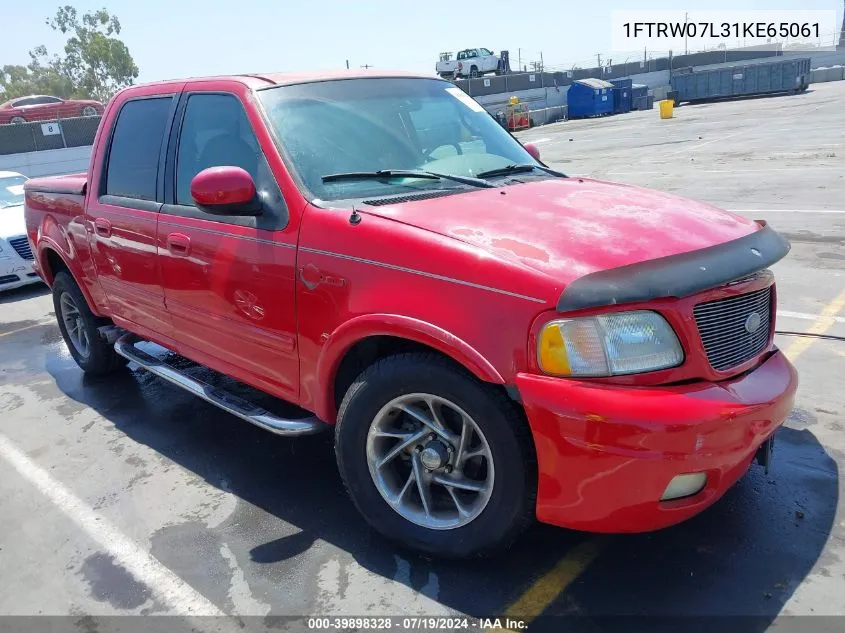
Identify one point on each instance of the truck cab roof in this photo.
(256, 81)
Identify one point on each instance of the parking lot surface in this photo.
(128, 496)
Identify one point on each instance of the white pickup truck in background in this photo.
(470, 62)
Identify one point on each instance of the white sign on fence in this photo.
(49, 129)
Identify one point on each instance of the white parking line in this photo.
(165, 585)
(807, 317)
(715, 140)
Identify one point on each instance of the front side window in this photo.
(135, 148)
(215, 132)
(366, 125)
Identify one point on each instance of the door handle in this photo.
(102, 226)
(178, 244)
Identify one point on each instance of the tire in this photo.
(473, 72)
(16, 120)
(501, 513)
(98, 358)
(89, 111)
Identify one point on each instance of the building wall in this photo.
(48, 162)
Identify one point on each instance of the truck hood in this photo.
(12, 222)
(570, 227)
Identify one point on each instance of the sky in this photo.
(180, 38)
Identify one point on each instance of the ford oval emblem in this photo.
(753, 322)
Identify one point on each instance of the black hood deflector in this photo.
(676, 276)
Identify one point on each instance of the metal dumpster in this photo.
(739, 80)
(589, 97)
(623, 97)
(639, 97)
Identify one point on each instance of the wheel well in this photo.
(55, 264)
(371, 349)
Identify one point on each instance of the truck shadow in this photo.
(23, 293)
(743, 557)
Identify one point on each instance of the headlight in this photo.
(608, 345)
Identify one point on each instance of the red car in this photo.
(489, 340)
(46, 108)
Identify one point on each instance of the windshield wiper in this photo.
(385, 174)
(507, 170)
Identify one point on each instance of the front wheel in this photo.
(79, 328)
(17, 120)
(435, 459)
(89, 111)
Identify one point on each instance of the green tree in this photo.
(34, 78)
(95, 63)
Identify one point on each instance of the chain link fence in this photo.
(18, 138)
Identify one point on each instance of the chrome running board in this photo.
(229, 402)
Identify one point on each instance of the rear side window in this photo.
(135, 148)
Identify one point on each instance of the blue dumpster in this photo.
(623, 96)
(589, 97)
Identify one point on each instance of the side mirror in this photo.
(532, 149)
(225, 190)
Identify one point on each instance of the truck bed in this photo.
(73, 184)
(52, 205)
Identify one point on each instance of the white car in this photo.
(471, 62)
(15, 254)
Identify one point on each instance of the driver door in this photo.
(228, 280)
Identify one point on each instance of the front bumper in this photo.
(16, 271)
(606, 453)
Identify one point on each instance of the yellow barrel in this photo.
(666, 107)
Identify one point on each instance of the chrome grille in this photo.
(21, 245)
(722, 327)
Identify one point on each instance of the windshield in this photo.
(11, 191)
(368, 125)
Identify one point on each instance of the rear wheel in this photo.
(89, 111)
(435, 459)
(473, 72)
(17, 120)
(79, 328)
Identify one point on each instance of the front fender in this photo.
(361, 327)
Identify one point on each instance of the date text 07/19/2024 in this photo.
(415, 623)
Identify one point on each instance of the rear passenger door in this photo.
(122, 213)
(228, 280)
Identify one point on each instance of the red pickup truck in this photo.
(490, 340)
